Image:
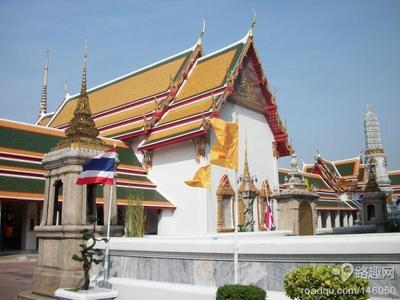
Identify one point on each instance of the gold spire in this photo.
(82, 130)
(246, 171)
(83, 83)
(247, 182)
(43, 99)
(203, 30)
(253, 24)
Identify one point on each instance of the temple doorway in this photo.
(11, 229)
(305, 219)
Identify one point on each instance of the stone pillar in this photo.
(337, 219)
(351, 221)
(345, 221)
(319, 220)
(328, 219)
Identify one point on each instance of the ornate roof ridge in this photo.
(241, 41)
(44, 116)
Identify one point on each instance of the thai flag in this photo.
(99, 169)
(269, 218)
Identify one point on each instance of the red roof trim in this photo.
(173, 140)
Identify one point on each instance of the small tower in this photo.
(296, 205)
(43, 98)
(59, 232)
(374, 149)
(247, 193)
(374, 210)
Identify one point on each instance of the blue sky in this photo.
(326, 59)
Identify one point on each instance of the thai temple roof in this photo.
(169, 101)
(211, 82)
(340, 176)
(119, 106)
(22, 147)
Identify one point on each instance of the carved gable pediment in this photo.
(247, 91)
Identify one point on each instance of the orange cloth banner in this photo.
(224, 152)
(202, 178)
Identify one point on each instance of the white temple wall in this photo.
(172, 165)
(196, 208)
(263, 165)
(254, 125)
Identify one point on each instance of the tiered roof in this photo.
(170, 101)
(340, 175)
(122, 106)
(328, 198)
(22, 147)
(215, 79)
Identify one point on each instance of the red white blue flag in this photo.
(269, 218)
(99, 169)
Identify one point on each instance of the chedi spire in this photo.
(374, 150)
(82, 130)
(43, 98)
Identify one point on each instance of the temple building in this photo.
(158, 116)
(341, 183)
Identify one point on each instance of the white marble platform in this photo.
(263, 259)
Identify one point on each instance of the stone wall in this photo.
(263, 260)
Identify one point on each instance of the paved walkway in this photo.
(15, 275)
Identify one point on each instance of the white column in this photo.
(337, 218)
(328, 219)
(319, 219)
(345, 221)
(351, 221)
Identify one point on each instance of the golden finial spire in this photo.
(246, 171)
(253, 24)
(83, 83)
(43, 99)
(203, 30)
(82, 131)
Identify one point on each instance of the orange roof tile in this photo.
(144, 83)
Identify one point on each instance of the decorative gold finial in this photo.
(146, 124)
(204, 122)
(43, 99)
(253, 24)
(246, 171)
(83, 83)
(82, 131)
(203, 30)
(214, 105)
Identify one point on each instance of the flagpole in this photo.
(236, 275)
(236, 238)
(107, 255)
(266, 207)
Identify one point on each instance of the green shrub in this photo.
(324, 283)
(240, 292)
(392, 225)
(135, 219)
